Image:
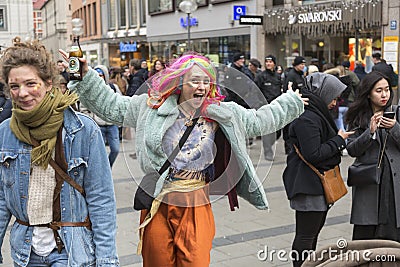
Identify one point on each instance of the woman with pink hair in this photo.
(177, 227)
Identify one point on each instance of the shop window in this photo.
(160, 6)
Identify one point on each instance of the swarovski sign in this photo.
(315, 17)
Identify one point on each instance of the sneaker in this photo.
(344, 152)
(133, 156)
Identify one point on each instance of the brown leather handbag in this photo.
(332, 181)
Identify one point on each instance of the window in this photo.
(143, 12)
(220, 1)
(111, 14)
(278, 2)
(94, 19)
(158, 6)
(3, 16)
(133, 14)
(89, 13)
(199, 3)
(122, 13)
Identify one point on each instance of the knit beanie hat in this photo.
(299, 60)
(271, 57)
(237, 56)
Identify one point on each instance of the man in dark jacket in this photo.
(239, 84)
(295, 76)
(270, 85)
(62, 69)
(383, 67)
(136, 76)
(237, 77)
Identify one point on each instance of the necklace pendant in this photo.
(188, 123)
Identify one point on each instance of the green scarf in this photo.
(42, 123)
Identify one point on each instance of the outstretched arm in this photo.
(99, 97)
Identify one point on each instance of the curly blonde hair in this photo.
(32, 54)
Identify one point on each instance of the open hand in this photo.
(297, 92)
(344, 134)
(65, 56)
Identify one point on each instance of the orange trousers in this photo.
(178, 236)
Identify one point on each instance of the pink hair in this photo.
(167, 82)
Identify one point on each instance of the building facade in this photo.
(332, 31)
(52, 24)
(114, 30)
(213, 28)
(16, 19)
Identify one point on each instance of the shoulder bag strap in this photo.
(182, 141)
(306, 162)
(60, 171)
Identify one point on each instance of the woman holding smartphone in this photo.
(375, 209)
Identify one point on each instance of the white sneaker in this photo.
(344, 152)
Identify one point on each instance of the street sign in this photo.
(238, 11)
(251, 20)
(393, 24)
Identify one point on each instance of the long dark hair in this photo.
(360, 112)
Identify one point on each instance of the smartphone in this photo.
(389, 114)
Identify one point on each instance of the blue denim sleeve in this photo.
(5, 217)
(100, 199)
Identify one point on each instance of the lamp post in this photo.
(188, 7)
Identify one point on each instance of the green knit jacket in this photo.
(236, 122)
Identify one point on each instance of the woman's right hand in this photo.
(85, 67)
(374, 123)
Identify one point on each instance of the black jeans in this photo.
(308, 227)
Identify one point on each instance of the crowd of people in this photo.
(54, 134)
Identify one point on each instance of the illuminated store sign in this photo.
(315, 17)
(192, 22)
(126, 47)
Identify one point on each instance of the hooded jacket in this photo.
(315, 134)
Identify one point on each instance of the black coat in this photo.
(296, 77)
(319, 145)
(5, 108)
(386, 70)
(135, 81)
(270, 84)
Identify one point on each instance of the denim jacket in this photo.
(88, 166)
